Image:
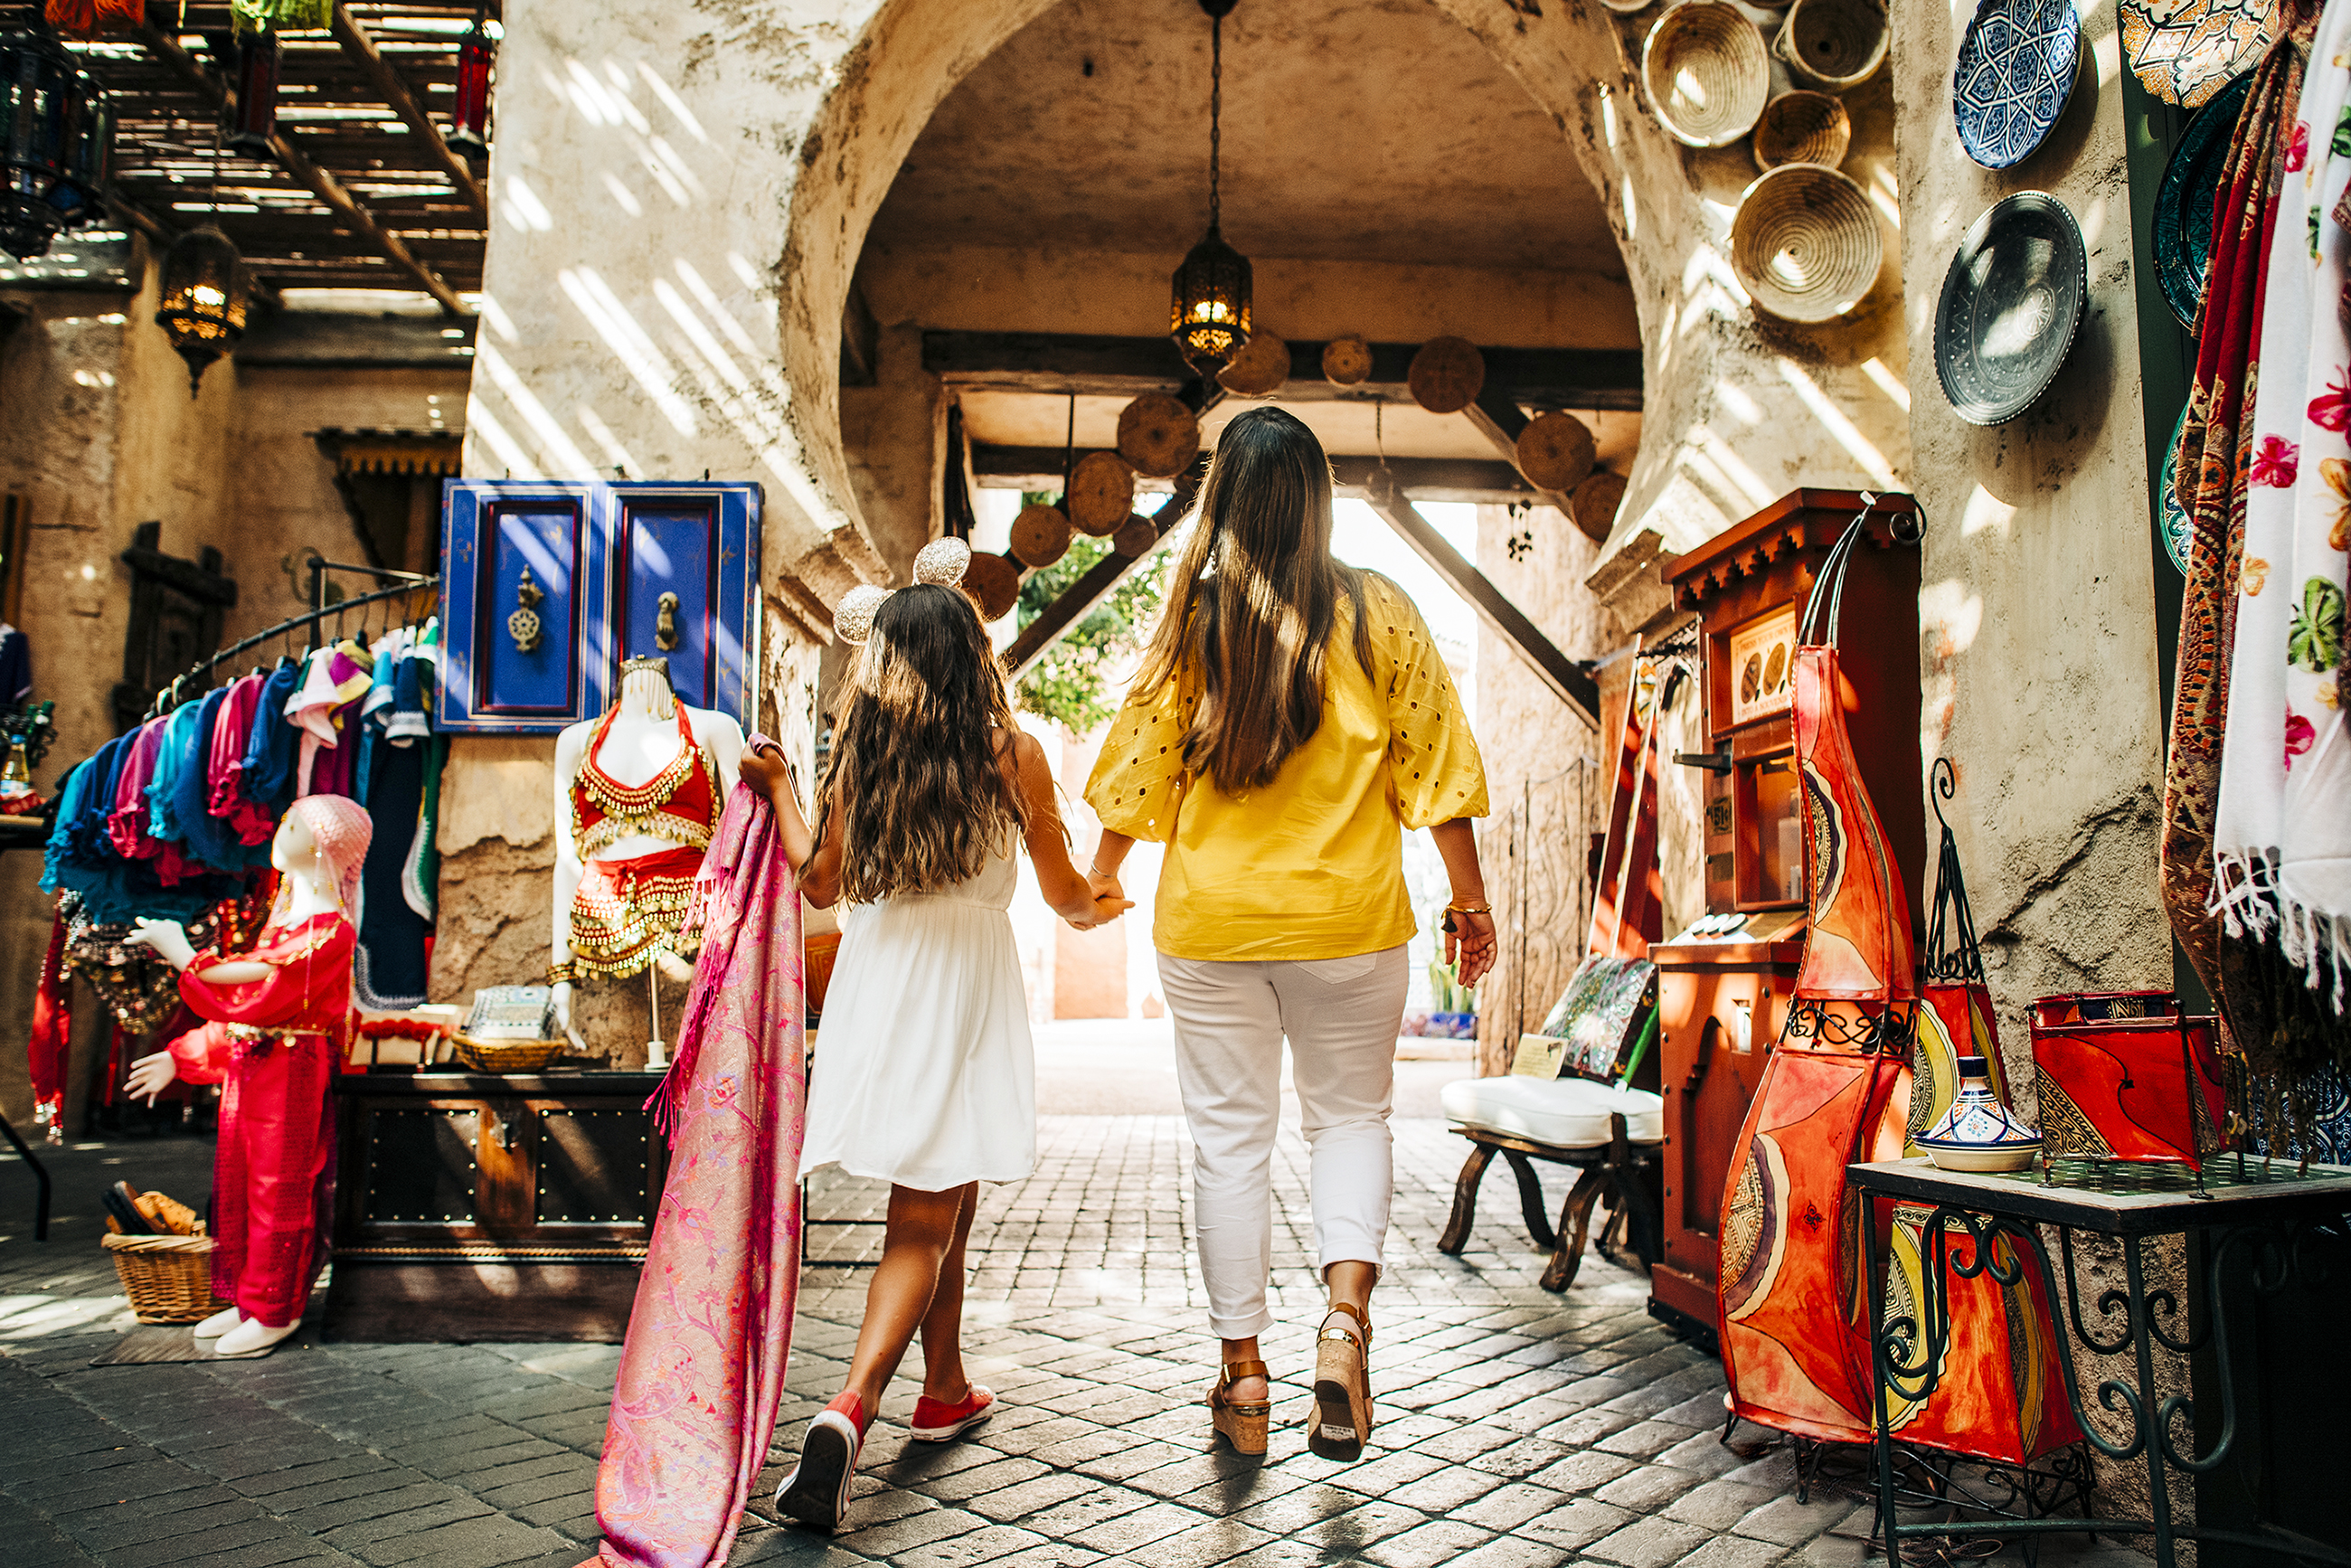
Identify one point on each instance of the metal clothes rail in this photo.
(170, 698)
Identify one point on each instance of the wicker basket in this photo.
(1805, 244)
(1707, 71)
(1802, 127)
(169, 1279)
(504, 1056)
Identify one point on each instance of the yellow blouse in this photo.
(1311, 865)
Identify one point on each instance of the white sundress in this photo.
(925, 1074)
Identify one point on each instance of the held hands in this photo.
(1469, 942)
(1108, 906)
(169, 938)
(151, 1075)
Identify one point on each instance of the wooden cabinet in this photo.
(474, 1207)
(1722, 1002)
(1719, 1007)
(548, 586)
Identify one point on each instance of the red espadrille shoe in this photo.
(937, 1423)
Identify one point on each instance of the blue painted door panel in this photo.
(701, 543)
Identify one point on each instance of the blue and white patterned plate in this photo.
(2017, 66)
(2171, 513)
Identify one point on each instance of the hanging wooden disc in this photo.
(1446, 374)
(1135, 536)
(1101, 493)
(1041, 535)
(1346, 361)
(994, 583)
(1158, 435)
(1595, 502)
(1555, 452)
(1260, 368)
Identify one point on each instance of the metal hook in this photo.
(1943, 784)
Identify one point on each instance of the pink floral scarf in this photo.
(703, 1370)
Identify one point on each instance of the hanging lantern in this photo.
(1209, 316)
(205, 292)
(255, 120)
(469, 115)
(55, 132)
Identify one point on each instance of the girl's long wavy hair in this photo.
(1253, 603)
(925, 802)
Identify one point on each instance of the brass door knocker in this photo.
(524, 624)
(665, 624)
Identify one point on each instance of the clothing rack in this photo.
(410, 582)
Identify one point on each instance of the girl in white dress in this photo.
(925, 1075)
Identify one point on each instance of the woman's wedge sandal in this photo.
(1243, 1422)
(1342, 1422)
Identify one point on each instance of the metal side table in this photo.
(2251, 1214)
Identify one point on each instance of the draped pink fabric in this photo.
(703, 1370)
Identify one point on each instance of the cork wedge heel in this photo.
(1342, 1422)
(1242, 1422)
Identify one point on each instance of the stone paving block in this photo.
(1647, 1439)
(1587, 1427)
(986, 1544)
(906, 1533)
(1283, 1554)
(1518, 1459)
(1052, 1554)
(1350, 1532)
(1130, 1459)
(1705, 1454)
(121, 1524)
(1378, 1478)
(1443, 1491)
(484, 1542)
(1426, 1546)
(788, 1548)
(1650, 1489)
(1575, 1525)
(1013, 1502)
(1215, 1540)
(578, 1482)
(383, 1502)
(1735, 1552)
(1508, 1505)
(1138, 1528)
(1648, 1544)
(1583, 1472)
(1510, 1553)
(291, 1491)
(169, 1551)
(1716, 1505)
(34, 1542)
(356, 1536)
(976, 1480)
(1791, 1523)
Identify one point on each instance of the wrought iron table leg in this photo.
(2147, 1412)
(40, 1179)
(1873, 1290)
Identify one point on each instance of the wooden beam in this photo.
(396, 95)
(1066, 362)
(1567, 681)
(1078, 601)
(1425, 479)
(323, 186)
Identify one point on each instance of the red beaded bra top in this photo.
(680, 803)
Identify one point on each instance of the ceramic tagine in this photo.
(1979, 1133)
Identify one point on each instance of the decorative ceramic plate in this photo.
(2183, 201)
(2183, 51)
(2011, 305)
(2017, 66)
(2179, 529)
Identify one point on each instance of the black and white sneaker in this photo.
(817, 1492)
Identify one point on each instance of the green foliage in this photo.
(1445, 985)
(1070, 685)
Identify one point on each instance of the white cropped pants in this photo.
(1340, 1016)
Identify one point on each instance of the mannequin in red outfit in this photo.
(278, 1029)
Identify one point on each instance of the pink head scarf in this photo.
(341, 829)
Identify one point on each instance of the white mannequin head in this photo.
(295, 850)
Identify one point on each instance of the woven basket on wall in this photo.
(1805, 244)
(1802, 127)
(169, 1279)
(1707, 71)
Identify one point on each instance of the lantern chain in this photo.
(1215, 110)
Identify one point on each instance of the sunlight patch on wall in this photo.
(1841, 429)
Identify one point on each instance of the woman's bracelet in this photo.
(564, 973)
(1468, 909)
(1096, 869)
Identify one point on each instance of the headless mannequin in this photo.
(296, 855)
(642, 741)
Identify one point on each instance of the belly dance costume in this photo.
(626, 911)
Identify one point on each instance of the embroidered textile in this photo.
(624, 912)
(694, 1400)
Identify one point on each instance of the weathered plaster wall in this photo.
(98, 434)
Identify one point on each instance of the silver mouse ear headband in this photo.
(942, 561)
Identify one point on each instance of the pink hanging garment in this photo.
(701, 1375)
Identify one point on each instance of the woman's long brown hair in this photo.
(1253, 603)
(925, 801)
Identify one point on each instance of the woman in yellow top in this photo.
(1292, 717)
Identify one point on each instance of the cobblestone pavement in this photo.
(1516, 1427)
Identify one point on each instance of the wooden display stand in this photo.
(1722, 1002)
(478, 1206)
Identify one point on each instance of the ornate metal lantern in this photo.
(469, 114)
(256, 122)
(205, 293)
(1209, 316)
(55, 133)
